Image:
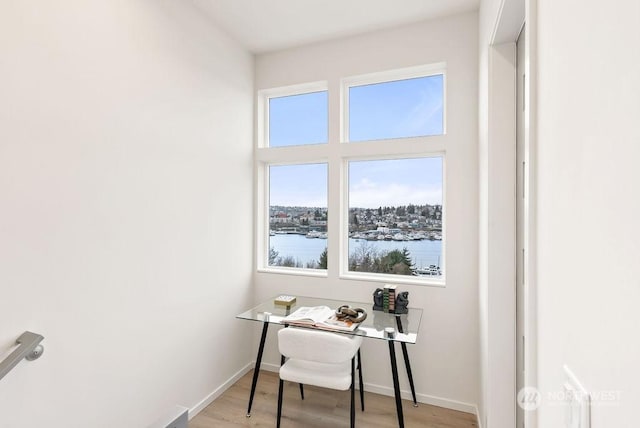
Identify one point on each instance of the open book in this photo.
(320, 317)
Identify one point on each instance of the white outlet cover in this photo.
(578, 402)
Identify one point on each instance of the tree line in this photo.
(365, 258)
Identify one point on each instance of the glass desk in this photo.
(394, 328)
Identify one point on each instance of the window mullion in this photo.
(334, 191)
(293, 154)
(420, 146)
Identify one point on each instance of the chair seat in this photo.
(319, 358)
(334, 376)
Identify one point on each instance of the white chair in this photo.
(321, 359)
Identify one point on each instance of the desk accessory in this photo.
(402, 301)
(378, 300)
(389, 300)
(355, 315)
(285, 300)
(321, 317)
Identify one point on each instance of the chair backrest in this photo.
(319, 346)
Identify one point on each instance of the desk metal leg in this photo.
(361, 384)
(396, 383)
(280, 393)
(353, 390)
(407, 364)
(256, 370)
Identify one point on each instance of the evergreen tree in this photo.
(322, 263)
(397, 262)
(406, 258)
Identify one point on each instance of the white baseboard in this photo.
(270, 367)
(218, 391)
(478, 420)
(369, 387)
(423, 398)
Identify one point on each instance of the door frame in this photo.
(502, 99)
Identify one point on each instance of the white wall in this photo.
(445, 359)
(125, 153)
(589, 204)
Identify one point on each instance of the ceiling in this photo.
(269, 25)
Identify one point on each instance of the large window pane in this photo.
(395, 216)
(298, 119)
(298, 216)
(397, 109)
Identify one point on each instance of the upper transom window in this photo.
(299, 119)
(397, 109)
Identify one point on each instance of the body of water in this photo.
(423, 253)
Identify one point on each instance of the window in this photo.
(398, 109)
(298, 216)
(395, 216)
(298, 119)
(386, 189)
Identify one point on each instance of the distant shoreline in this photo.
(423, 253)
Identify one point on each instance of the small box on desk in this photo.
(284, 300)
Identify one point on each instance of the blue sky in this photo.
(298, 119)
(298, 185)
(371, 183)
(405, 108)
(395, 182)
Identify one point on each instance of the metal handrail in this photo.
(29, 348)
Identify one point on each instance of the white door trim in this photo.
(512, 15)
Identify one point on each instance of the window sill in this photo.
(387, 279)
(316, 273)
(395, 279)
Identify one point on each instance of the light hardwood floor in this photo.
(321, 408)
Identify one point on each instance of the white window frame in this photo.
(263, 106)
(345, 273)
(279, 156)
(336, 154)
(391, 76)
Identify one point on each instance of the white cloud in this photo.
(299, 200)
(367, 194)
